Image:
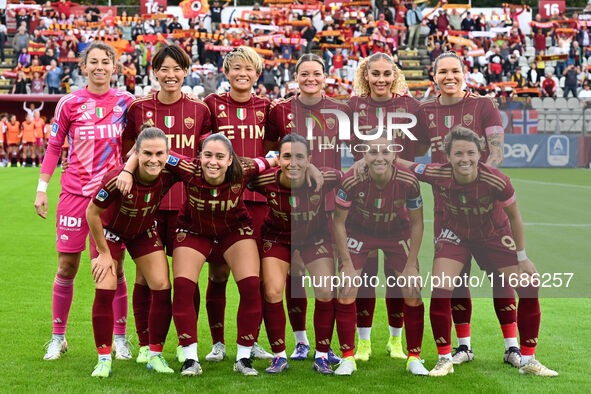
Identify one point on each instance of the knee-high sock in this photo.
(461, 310)
(506, 310)
(63, 292)
(414, 319)
(365, 304)
(345, 316)
(528, 319)
(249, 310)
(297, 305)
(440, 313)
(183, 311)
(324, 314)
(160, 315)
(395, 307)
(275, 324)
(120, 306)
(215, 303)
(141, 312)
(263, 302)
(102, 320)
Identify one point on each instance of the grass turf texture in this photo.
(29, 263)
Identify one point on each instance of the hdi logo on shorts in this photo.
(67, 221)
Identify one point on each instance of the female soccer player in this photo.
(13, 140)
(117, 219)
(384, 211)
(296, 222)
(295, 115)
(186, 122)
(92, 119)
(28, 141)
(39, 136)
(436, 117)
(480, 218)
(381, 90)
(215, 213)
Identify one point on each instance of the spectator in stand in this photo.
(338, 63)
(575, 55)
(455, 19)
(210, 82)
(467, 22)
(495, 66)
(583, 37)
(436, 51)
(539, 41)
(20, 41)
(46, 58)
(533, 77)
(3, 33)
(20, 85)
(24, 59)
(308, 34)
(475, 78)
(585, 95)
(23, 18)
(63, 6)
(174, 25)
(549, 86)
(37, 83)
(442, 22)
(93, 12)
(511, 65)
(215, 14)
(414, 17)
(518, 78)
(53, 78)
(570, 81)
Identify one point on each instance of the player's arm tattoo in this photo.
(495, 146)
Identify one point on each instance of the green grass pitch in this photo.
(556, 208)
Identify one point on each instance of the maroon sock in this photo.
(414, 319)
(263, 302)
(505, 304)
(345, 317)
(395, 306)
(365, 308)
(275, 324)
(160, 315)
(197, 300)
(297, 305)
(249, 310)
(528, 319)
(183, 311)
(440, 313)
(215, 303)
(461, 305)
(141, 312)
(102, 318)
(323, 324)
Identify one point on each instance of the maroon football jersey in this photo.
(186, 123)
(370, 111)
(294, 215)
(379, 212)
(477, 113)
(130, 215)
(243, 124)
(292, 116)
(213, 210)
(471, 210)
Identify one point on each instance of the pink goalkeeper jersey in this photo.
(93, 125)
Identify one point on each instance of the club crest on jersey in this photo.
(267, 246)
(236, 188)
(379, 203)
(468, 119)
(180, 236)
(102, 195)
(189, 122)
(241, 113)
(294, 202)
(149, 114)
(54, 129)
(100, 112)
(172, 160)
(449, 121)
(260, 116)
(315, 199)
(169, 121)
(148, 197)
(331, 122)
(400, 109)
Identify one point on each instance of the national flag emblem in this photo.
(169, 121)
(525, 122)
(241, 113)
(462, 198)
(449, 121)
(379, 112)
(294, 201)
(100, 112)
(147, 197)
(379, 203)
(214, 192)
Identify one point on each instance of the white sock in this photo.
(243, 352)
(152, 353)
(190, 352)
(447, 356)
(364, 332)
(104, 357)
(301, 337)
(280, 354)
(320, 354)
(510, 342)
(525, 359)
(59, 336)
(119, 336)
(465, 341)
(395, 331)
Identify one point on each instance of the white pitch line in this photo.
(551, 183)
(543, 224)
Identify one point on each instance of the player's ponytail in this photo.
(234, 172)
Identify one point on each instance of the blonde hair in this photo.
(245, 54)
(361, 85)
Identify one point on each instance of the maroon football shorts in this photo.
(166, 222)
(315, 248)
(143, 244)
(206, 245)
(395, 249)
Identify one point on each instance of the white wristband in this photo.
(42, 186)
(521, 255)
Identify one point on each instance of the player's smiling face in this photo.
(311, 79)
(242, 76)
(215, 160)
(170, 75)
(152, 155)
(380, 77)
(450, 77)
(294, 161)
(99, 68)
(464, 156)
(379, 158)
